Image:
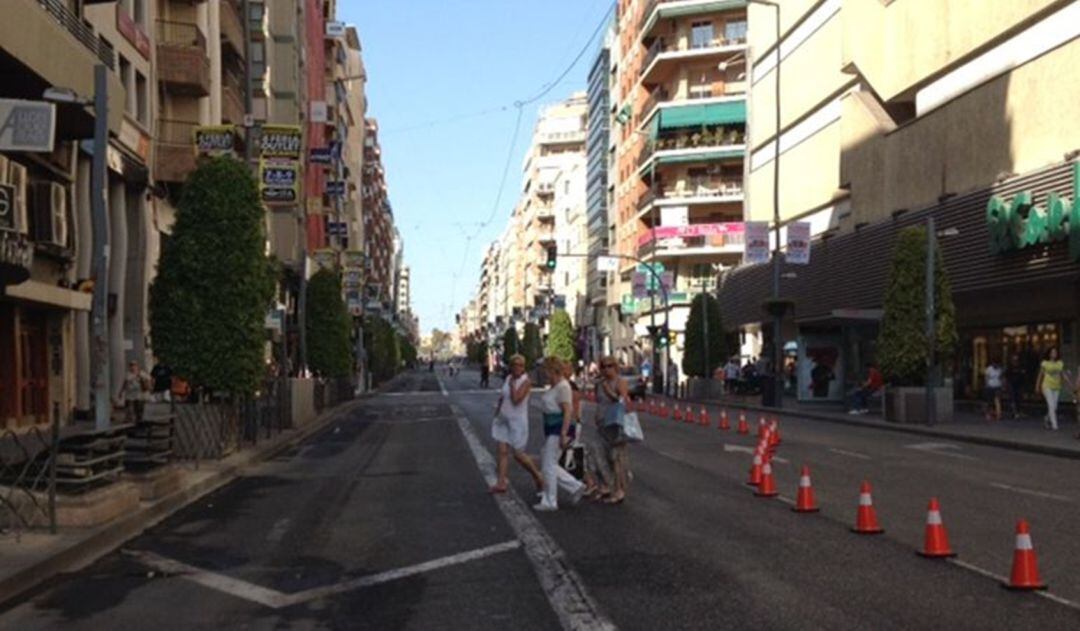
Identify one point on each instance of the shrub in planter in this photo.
(693, 363)
(561, 340)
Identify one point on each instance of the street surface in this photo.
(382, 521)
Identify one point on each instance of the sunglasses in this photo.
(607, 365)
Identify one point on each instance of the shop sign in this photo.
(280, 141)
(1019, 223)
(798, 243)
(335, 30)
(325, 258)
(215, 140)
(7, 208)
(317, 112)
(352, 279)
(691, 230)
(319, 155)
(27, 125)
(335, 188)
(337, 228)
(354, 259)
(757, 242)
(279, 182)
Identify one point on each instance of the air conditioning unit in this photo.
(18, 179)
(50, 214)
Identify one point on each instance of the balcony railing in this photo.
(174, 151)
(181, 58)
(232, 28)
(660, 46)
(715, 137)
(82, 32)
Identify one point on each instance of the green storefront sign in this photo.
(1019, 224)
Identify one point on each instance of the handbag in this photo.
(615, 414)
(573, 461)
(631, 428)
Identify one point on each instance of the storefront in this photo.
(1016, 289)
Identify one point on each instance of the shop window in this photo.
(1022, 346)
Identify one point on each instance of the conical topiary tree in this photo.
(902, 343)
(214, 282)
(532, 347)
(328, 326)
(561, 339)
(693, 363)
(511, 343)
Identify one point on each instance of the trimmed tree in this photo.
(214, 283)
(532, 347)
(511, 342)
(408, 352)
(902, 342)
(561, 339)
(704, 309)
(328, 326)
(384, 350)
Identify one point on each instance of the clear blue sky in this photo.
(430, 60)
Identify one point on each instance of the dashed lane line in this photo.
(1042, 494)
(850, 454)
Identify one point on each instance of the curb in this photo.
(1072, 453)
(111, 536)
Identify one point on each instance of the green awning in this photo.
(696, 115)
(719, 154)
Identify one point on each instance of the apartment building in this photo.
(893, 112)
(680, 134)
(378, 227)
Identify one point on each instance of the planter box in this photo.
(908, 405)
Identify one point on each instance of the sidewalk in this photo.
(36, 556)
(1025, 434)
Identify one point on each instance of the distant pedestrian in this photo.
(612, 395)
(873, 383)
(1049, 385)
(558, 410)
(133, 392)
(162, 378)
(510, 429)
(485, 374)
(1015, 376)
(993, 374)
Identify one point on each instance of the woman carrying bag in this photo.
(611, 397)
(558, 408)
(510, 429)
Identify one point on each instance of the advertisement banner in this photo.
(325, 258)
(352, 279)
(798, 243)
(279, 182)
(354, 259)
(280, 141)
(674, 216)
(757, 242)
(693, 230)
(215, 140)
(27, 125)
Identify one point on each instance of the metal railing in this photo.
(659, 46)
(82, 32)
(715, 137)
(176, 33)
(28, 479)
(175, 132)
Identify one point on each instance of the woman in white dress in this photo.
(510, 428)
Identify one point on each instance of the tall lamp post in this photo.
(776, 307)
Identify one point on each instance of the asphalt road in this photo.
(314, 538)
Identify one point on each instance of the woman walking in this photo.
(510, 428)
(1049, 384)
(993, 375)
(558, 409)
(611, 397)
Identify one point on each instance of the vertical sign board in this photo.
(757, 242)
(280, 142)
(27, 125)
(354, 259)
(279, 181)
(798, 243)
(7, 208)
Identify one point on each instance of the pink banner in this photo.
(692, 230)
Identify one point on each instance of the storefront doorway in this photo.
(1022, 345)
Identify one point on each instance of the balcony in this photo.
(705, 190)
(710, 144)
(561, 137)
(174, 150)
(232, 28)
(181, 58)
(100, 48)
(656, 10)
(232, 98)
(712, 240)
(707, 105)
(665, 57)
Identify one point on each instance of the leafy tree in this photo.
(214, 283)
(384, 349)
(531, 345)
(511, 342)
(902, 343)
(408, 351)
(328, 326)
(561, 339)
(693, 363)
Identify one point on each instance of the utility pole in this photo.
(100, 308)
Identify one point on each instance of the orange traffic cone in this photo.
(755, 471)
(1025, 569)
(678, 412)
(664, 411)
(725, 424)
(703, 418)
(744, 428)
(775, 429)
(651, 406)
(690, 417)
(805, 502)
(762, 427)
(936, 542)
(767, 488)
(866, 521)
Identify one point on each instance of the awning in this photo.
(704, 156)
(698, 115)
(46, 294)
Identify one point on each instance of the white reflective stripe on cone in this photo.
(766, 469)
(1023, 542)
(757, 459)
(804, 482)
(865, 499)
(933, 518)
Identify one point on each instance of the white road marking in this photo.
(441, 386)
(1016, 489)
(729, 448)
(561, 584)
(786, 500)
(277, 533)
(276, 600)
(1004, 579)
(940, 449)
(851, 454)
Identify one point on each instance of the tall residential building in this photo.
(597, 147)
(378, 227)
(895, 112)
(680, 112)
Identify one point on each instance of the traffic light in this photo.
(552, 255)
(661, 335)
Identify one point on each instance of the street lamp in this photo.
(776, 307)
(931, 315)
(99, 347)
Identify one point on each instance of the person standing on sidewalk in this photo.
(510, 429)
(133, 392)
(993, 390)
(558, 410)
(1049, 384)
(1014, 379)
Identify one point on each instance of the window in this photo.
(125, 78)
(701, 34)
(701, 87)
(138, 12)
(735, 32)
(142, 109)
